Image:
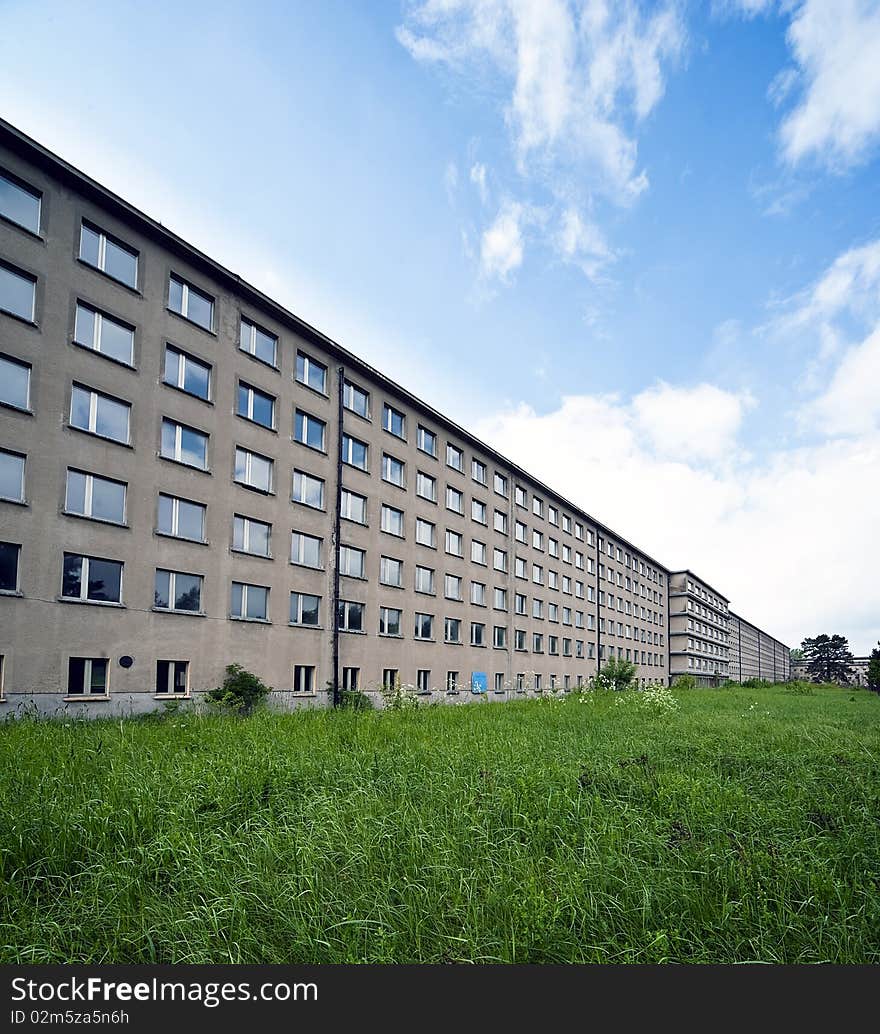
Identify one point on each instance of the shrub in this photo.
(798, 687)
(400, 697)
(685, 682)
(240, 693)
(756, 684)
(616, 674)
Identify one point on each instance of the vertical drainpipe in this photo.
(337, 524)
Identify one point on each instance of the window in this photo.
(256, 405)
(250, 535)
(566, 555)
(537, 645)
(478, 552)
(99, 414)
(304, 679)
(305, 550)
(354, 507)
(308, 490)
(352, 562)
(537, 608)
(478, 472)
(350, 616)
(187, 445)
(552, 612)
(15, 382)
(253, 470)
(390, 678)
(175, 590)
(537, 506)
(478, 511)
(311, 373)
(553, 645)
(519, 637)
(172, 678)
(478, 634)
(426, 487)
(392, 520)
(424, 626)
(19, 204)
(11, 476)
(259, 343)
(553, 547)
(521, 568)
(389, 621)
(521, 496)
(426, 533)
(179, 517)
(454, 500)
(537, 574)
(425, 580)
(88, 676)
(355, 452)
(521, 532)
(394, 421)
(91, 579)
(499, 637)
(537, 540)
(499, 559)
(309, 430)
(391, 571)
(500, 484)
(249, 602)
(189, 302)
(305, 609)
(452, 630)
(356, 399)
(392, 470)
(101, 333)
(552, 580)
(351, 679)
(566, 523)
(17, 293)
(454, 458)
(478, 594)
(500, 599)
(427, 441)
(499, 682)
(186, 373)
(500, 522)
(553, 515)
(109, 255)
(91, 496)
(423, 680)
(9, 553)
(454, 543)
(520, 603)
(451, 681)
(452, 587)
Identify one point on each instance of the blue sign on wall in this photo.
(479, 683)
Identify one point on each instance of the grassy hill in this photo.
(694, 826)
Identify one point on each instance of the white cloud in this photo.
(777, 537)
(478, 178)
(835, 47)
(836, 44)
(501, 247)
(850, 405)
(450, 179)
(580, 76)
(700, 422)
(582, 242)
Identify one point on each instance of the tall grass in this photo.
(729, 825)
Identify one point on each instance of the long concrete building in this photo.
(191, 475)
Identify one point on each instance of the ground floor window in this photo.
(389, 678)
(423, 680)
(304, 678)
(9, 566)
(172, 678)
(351, 679)
(88, 676)
(499, 682)
(451, 681)
(2, 674)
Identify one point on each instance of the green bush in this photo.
(686, 682)
(617, 674)
(241, 692)
(797, 687)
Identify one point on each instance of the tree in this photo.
(617, 673)
(796, 654)
(828, 659)
(874, 669)
(241, 691)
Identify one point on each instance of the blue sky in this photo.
(635, 246)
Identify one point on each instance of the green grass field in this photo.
(728, 825)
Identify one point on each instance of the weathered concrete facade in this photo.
(524, 588)
(755, 654)
(859, 671)
(699, 629)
